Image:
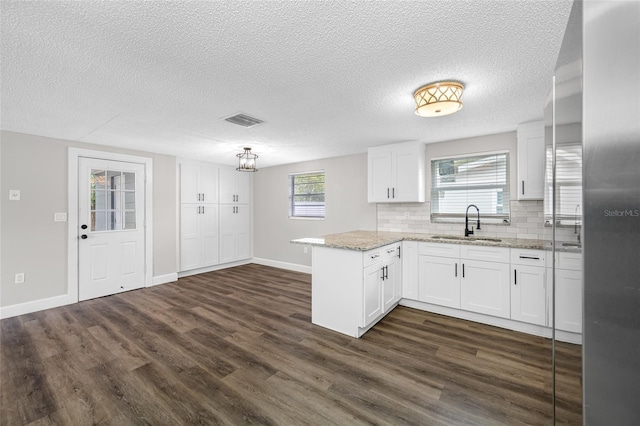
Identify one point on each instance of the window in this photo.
(480, 179)
(306, 195)
(568, 184)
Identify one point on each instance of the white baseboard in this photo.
(213, 268)
(509, 324)
(163, 279)
(282, 265)
(34, 306)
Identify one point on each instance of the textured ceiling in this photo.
(328, 78)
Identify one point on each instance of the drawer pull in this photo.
(373, 256)
(530, 257)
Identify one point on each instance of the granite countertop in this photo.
(368, 240)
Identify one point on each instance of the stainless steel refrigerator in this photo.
(611, 197)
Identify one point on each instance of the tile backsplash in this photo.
(527, 221)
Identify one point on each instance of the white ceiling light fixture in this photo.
(437, 99)
(247, 161)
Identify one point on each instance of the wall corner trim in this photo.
(282, 265)
(33, 306)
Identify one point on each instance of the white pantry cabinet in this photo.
(198, 236)
(531, 161)
(235, 232)
(396, 173)
(484, 286)
(528, 286)
(235, 215)
(235, 186)
(198, 184)
(439, 274)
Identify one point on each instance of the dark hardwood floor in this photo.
(237, 346)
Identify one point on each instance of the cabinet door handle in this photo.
(530, 257)
(456, 269)
(202, 209)
(386, 272)
(522, 187)
(387, 192)
(382, 270)
(393, 192)
(463, 270)
(203, 196)
(399, 252)
(515, 277)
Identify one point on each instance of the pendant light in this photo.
(246, 161)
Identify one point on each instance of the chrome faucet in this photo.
(576, 228)
(468, 232)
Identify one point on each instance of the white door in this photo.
(111, 253)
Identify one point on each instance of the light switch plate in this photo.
(60, 217)
(14, 194)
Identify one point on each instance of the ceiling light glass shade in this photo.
(436, 99)
(246, 161)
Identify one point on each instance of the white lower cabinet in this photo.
(410, 270)
(438, 274)
(528, 286)
(352, 290)
(568, 292)
(484, 286)
(198, 236)
(372, 293)
(235, 232)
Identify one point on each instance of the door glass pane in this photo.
(130, 220)
(114, 222)
(98, 221)
(113, 179)
(98, 179)
(130, 200)
(129, 180)
(112, 200)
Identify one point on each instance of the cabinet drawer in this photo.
(571, 261)
(437, 249)
(528, 257)
(390, 251)
(372, 256)
(493, 254)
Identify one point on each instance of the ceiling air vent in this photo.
(243, 120)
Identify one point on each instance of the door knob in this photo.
(83, 236)
(84, 227)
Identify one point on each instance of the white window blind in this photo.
(481, 179)
(306, 195)
(568, 184)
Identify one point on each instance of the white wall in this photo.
(36, 245)
(346, 207)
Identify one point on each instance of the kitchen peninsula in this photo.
(360, 276)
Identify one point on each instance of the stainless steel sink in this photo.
(459, 238)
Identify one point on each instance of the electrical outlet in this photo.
(306, 249)
(14, 195)
(19, 278)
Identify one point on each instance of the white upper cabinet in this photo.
(531, 161)
(396, 173)
(235, 186)
(198, 184)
